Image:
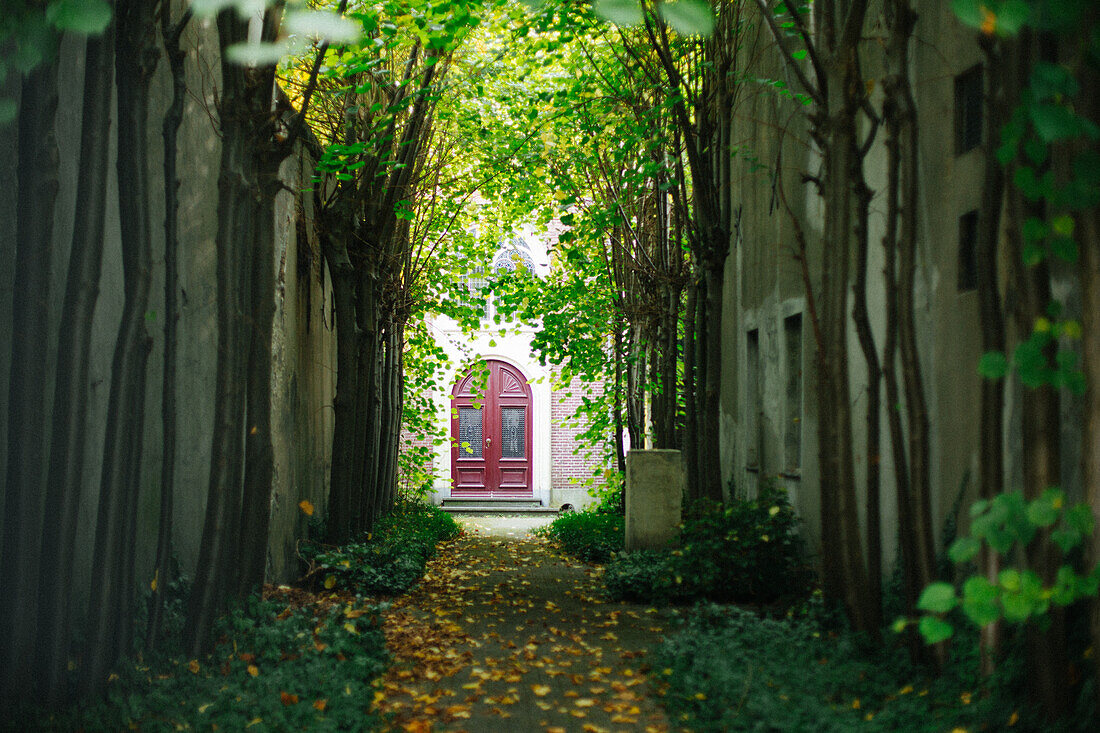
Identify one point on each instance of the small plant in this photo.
(389, 560)
(727, 669)
(1006, 525)
(275, 668)
(590, 536)
(745, 551)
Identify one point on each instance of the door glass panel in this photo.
(513, 421)
(469, 432)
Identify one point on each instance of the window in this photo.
(754, 407)
(475, 282)
(968, 110)
(968, 251)
(792, 429)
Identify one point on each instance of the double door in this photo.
(491, 433)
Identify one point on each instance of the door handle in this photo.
(488, 442)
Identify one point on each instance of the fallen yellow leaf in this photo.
(540, 690)
(306, 506)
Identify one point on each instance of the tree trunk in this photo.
(710, 429)
(348, 385)
(992, 323)
(170, 132)
(691, 422)
(216, 573)
(70, 407)
(1088, 231)
(112, 591)
(36, 192)
(258, 455)
(862, 318)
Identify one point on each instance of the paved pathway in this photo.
(507, 634)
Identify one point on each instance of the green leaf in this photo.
(934, 630)
(1064, 248)
(90, 17)
(964, 549)
(1011, 16)
(258, 54)
(799, 54)
(1009, 579)
(980, 601)
(1043, 512)
(1017, 606)
(688, 17)
(1080, 517)
(938, 598)
(8, 111)
(992, 365)
(1066, 539)
(1035, 229)
(619, 12)
(1054, 122)
(322, 24)
(968, 11)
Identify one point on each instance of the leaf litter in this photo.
(513, 635)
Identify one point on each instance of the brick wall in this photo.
(569, 469)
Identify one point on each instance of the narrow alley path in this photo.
(507, 634)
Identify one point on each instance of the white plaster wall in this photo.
(514, 348)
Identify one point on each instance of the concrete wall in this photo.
(303, 346)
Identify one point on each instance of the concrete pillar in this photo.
(654, 492)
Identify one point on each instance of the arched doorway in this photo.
(491, 433)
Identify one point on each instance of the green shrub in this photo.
(746, 551)
(590, 536)
(729, 670)
(389, 560)
(274, 669)
(646, 576)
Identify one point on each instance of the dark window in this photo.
(792, 433)
(513, 426)
(968, 110)
(754, 413)
(469, 432)
(968, 251)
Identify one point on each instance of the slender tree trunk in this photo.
(169, 131)
(691, 422)
(701, 364)
(258, 455)
(216, 572)
(992, 322)
(70, 407)
(348, 337)
(620, 453)
(710, 429)
(845, 573)
(1088, 230)
(861, 317)
(112, 591)
(36, 192)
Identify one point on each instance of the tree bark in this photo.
(169, 132)
(112, 592)
(36, 194)
(70, 408)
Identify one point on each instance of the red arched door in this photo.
(491, 433)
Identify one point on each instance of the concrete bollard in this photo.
(654, 493)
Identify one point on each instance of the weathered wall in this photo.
(303, 344)
(765, 291)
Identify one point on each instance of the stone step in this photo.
(496, 506)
